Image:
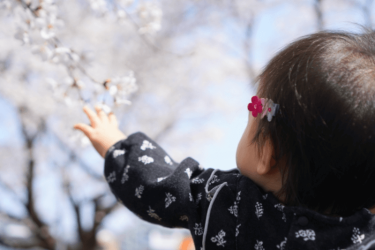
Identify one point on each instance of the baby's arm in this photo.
(103, 132)
(143, 176)
(148, 182)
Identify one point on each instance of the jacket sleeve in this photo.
(148, 182)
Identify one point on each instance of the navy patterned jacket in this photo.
(222, 209)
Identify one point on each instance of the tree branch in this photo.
(76, 208)
(367, 13)
(43, 234)
(162, 132)
(73, 156)
(319, 14)
(248, 48)
(154, 47)
(21, 244)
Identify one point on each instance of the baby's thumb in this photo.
(86, 129)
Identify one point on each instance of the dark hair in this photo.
(325, 127)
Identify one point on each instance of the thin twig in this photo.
(74, 157)
(147, 42)
(319, 14)
(57, 43)
(42, 233)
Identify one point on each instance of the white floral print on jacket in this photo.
(222, 209)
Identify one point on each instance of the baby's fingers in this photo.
(102, 115)
(86, 129)
(93, 117)
(112, 119)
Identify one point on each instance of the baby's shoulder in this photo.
(212, 180)
(216, 177)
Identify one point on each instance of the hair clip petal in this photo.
(255, 99)
(272, 110)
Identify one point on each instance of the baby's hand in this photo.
(103, 132)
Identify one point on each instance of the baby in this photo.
(305, 176)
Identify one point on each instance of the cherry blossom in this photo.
(98, 5)
(150, 15)
(43, 51)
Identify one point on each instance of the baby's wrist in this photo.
(116, 137)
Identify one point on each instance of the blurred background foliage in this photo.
(192, 64)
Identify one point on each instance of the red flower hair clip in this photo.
(263, 106)
(255, 106)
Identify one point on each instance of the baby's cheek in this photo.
(240, 162)
(241, 155)
(246, 151)
(247, 158)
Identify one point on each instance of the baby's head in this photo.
(318, 151)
